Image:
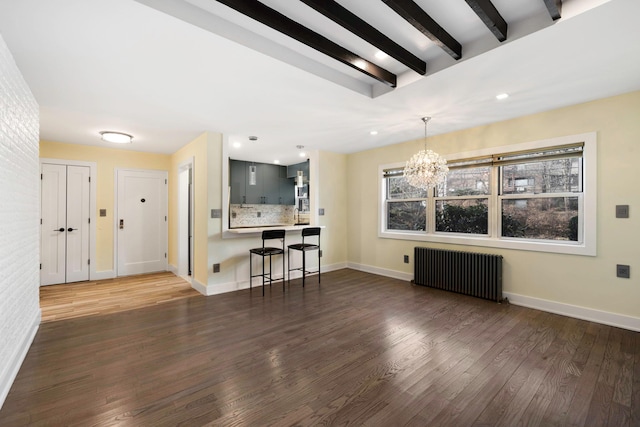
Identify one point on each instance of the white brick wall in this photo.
(19, 219)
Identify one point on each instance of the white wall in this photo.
(19, 220)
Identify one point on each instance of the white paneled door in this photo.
(141, 221)
(65, 205)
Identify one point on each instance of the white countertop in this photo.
(249, 230)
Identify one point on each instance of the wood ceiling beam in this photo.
(277, 21)
(490, 16)
(345, 18)
(417, 17)
(555, 8)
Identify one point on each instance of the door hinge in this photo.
(89, 179)
(40, 266)
(89, 220)
(165, 254)
(41, 176)
(88, 262)
(165, 182)
(40, 221)
(165, 218)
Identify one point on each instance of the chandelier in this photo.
(425, 169)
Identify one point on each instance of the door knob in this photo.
(61, 229)
(71, 229)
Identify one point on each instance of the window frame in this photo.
(587, 200)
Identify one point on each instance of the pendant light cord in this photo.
(425, 120)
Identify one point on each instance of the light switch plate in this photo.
(622, 211)
(103, 212)
(216, 213)
(321, 211)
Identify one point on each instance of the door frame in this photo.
(115, 214)
(93, 275)
(187, 165)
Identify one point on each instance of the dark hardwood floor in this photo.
(358, 350)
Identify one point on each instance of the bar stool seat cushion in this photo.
(303, 246)
(266, 251)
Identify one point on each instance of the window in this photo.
(535, 196)
(405, 204)
(462, 201)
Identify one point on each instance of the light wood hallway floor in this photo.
(71, 300)
(359, 349)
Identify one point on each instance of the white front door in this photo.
(141, 223)
(65, 208)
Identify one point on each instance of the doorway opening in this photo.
(185, 220)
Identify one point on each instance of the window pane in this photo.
(410, 216)
(462, 216)
(548, 218)
(465, 182)
(399, 188)
(551, 176)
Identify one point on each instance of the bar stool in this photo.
(266, 251)
(304, 247)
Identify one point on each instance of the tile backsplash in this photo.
(261, 215)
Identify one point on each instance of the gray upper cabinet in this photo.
(292, 170)
(271, 185)
(237, 181)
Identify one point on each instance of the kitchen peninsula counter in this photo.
(256, 230)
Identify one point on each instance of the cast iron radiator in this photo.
(469, 273)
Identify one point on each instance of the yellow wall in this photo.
(576, 280)
(332, 197)
(107, 160)
(196, 149)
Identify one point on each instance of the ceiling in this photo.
(167, 70)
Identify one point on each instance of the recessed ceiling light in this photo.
(303, 154)
(277, 162)
(237, 145)
(116, 137)
(373, 132)
(381, 55)
(502, 96)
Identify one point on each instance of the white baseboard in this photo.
(14, 364)
(173, 269)
(221, 288)
(102, 275)
(590, 314)
(381, 271)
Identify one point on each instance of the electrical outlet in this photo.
(216, 268)
(623, 271)
(622, 211)
(259, 214)
(406, 259)
(216, 213)
(103, 212)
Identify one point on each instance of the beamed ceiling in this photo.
(417, 37)
(310, 72)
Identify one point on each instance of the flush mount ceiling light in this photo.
(116, 137)
(425, 169)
